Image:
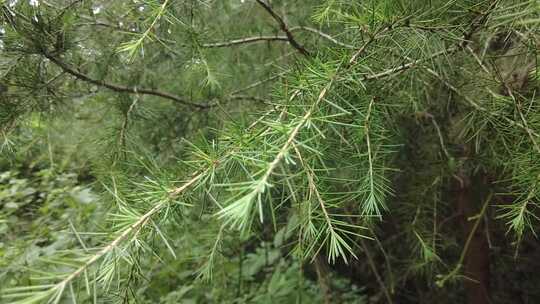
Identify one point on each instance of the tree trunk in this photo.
(476, 261)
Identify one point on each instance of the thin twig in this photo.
(386, 261)
(123, 130)
(120, 88)
(408, 65)
(322, 34)
(521, 116)
(479, 107)
(244, 41)
(441, 138)
(284, 28)
(313, 189)
(478, 60)
(442, 279)
(255, 39)
(371, 264)
(462, 44)
(133, 228)
(142, 91)
(524, 121)
(258, 83)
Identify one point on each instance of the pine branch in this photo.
(234, 42)
(239, 211)
(284, 28)
(57, 289)
(322, 34)
(479, 107)
(142, 91)
(408, 65)
(518, 107)
(441, 280)
(245, 41)
(462, 44)
(373, 267)
(123, 129)
(256, 39)
(134, 228)
(371, 204)
(131, 47)
(120, 88)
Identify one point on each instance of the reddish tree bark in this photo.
(476, 262)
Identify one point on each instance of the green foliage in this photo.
(263, 151)
(40, 209)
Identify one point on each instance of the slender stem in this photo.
(322, 278)
(284, 28)
(322, 34)
(313, 188)
(127, 114)
(479, 107)
(133, 228)
(322, 94)
(408, 65)
(459, 264)
(376, 273)
(256, 39)
(120, 88)
(244, 41)
(368, 144)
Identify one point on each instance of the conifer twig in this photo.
(371, 264)
(255, 39)
(479, 107)
(322, 279)
(408, 65)
(463, 43)
(127, 114)
(442, 279)
(120, 88)
(284, 28)
(131, 229)
(521, 116)
(322, 34)
(257, 83)
(244, 41)
(232, 42)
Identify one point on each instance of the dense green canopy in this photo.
(268, 151)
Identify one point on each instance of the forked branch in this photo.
(283, 26)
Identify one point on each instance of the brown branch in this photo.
(322, 34)
(258, 83)
(238, 41)
(284, 28)
(378, 277)
(256, 39)
(407, 66)
(134, 90)
(245, 40)
(120, 88)
(123, 130)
